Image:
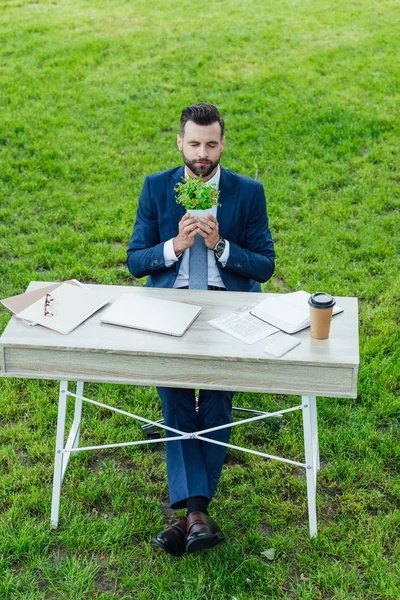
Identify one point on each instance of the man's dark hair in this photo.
(201, 114)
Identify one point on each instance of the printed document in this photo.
(243, 326)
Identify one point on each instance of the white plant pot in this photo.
(199, 213)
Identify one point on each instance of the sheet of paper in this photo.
(243, 326)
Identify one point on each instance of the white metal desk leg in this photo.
(59, 456)
(76, 424)
(78, 412)
(314, 430)
(311, 468)
(73, 437)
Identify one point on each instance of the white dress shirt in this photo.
(213, 274)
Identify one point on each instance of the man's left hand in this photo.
(209, 230)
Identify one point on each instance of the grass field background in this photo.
(90, 98)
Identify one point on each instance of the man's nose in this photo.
(202, 151)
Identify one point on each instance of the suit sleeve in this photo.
(145, 253)
(254, 258)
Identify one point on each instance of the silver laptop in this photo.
(151, 314)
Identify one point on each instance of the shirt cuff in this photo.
(223, 259)
(169, 254)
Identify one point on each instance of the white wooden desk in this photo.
(203, 358)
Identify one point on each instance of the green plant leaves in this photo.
(195, 194)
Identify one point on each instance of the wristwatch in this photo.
(220, 247)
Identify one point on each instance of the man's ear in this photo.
(179, 142)
(222, 143)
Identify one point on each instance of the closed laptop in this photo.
(151, 314)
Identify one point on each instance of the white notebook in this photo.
(288, 312)
(151, 314)
(68, 306)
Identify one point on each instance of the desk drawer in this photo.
(210, 373)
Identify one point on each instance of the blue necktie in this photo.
(198, 265)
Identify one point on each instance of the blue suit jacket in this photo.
(242, 219)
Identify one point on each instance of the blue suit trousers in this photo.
(194, 466)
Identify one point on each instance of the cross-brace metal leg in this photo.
(62, 454)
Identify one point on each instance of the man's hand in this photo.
(208, 228)
(187, 233)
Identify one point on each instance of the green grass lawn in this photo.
(90, 97)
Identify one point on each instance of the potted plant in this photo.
(197, 197)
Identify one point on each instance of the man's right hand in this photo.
(186, 235)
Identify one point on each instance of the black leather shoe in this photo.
(202, 532)
(173, 539)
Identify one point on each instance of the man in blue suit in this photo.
(240, 256)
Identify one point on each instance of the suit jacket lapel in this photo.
(228, 199)
(176, 211)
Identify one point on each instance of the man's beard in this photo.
(204, 170)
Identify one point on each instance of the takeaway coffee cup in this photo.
(321, 306)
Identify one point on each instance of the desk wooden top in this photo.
(203, 356)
